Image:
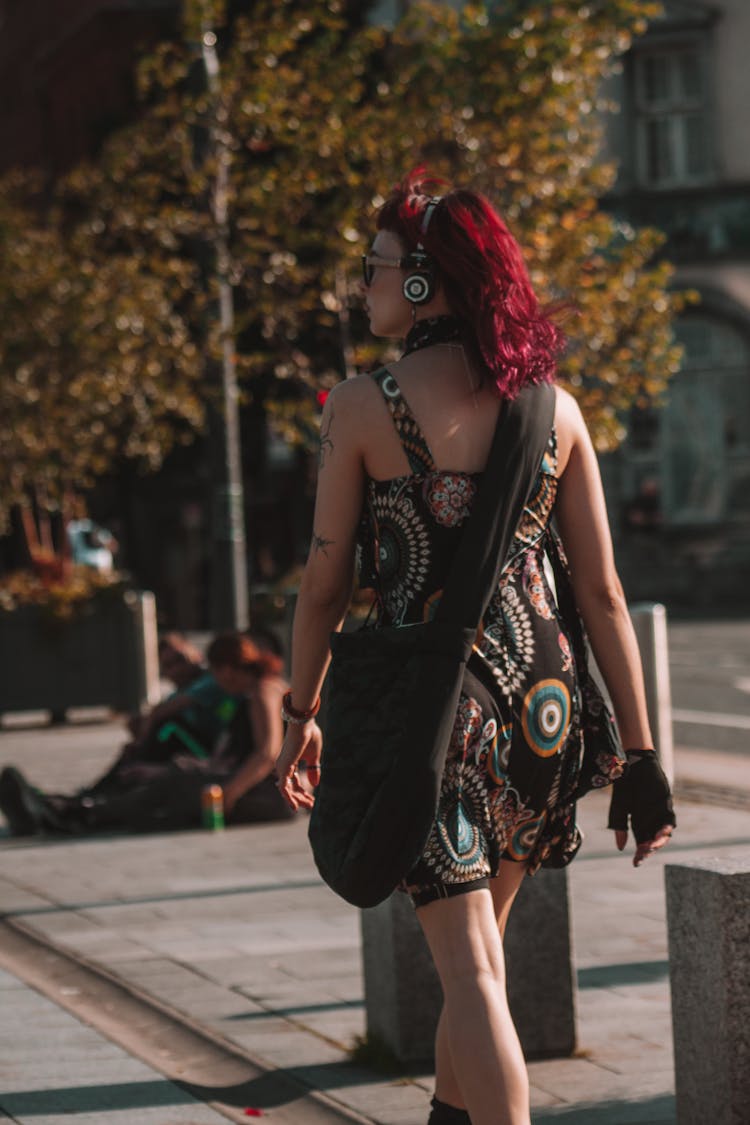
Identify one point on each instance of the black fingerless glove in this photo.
(643, 795)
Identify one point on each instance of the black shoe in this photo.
(22, 806)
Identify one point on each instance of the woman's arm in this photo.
(581, 516)
(584, 528)
(326, 586)
(268, 732)
(167, 709)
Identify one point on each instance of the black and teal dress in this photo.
(517, 734)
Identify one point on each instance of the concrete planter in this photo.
(106, 656)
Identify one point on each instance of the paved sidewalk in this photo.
(235, 932)
(54, 1067)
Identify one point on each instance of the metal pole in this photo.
(347, 348)
(650, 624)
(230, 602)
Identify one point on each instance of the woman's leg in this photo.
(504, 889)
(480, 1064)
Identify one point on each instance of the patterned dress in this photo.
(517, 732)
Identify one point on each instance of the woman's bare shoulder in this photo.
(353, 392)
(567, 410)
(569, 426)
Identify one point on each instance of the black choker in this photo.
(434, 330)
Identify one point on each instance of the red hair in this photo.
(481, 269)
(235, 650)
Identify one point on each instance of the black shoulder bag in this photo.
(393, 692)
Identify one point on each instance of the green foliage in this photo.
(95, 360)
(109, 303)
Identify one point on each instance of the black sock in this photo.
(444, 1114)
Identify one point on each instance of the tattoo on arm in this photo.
(326, 444)
(321, 544)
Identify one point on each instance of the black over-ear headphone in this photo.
(419, 283)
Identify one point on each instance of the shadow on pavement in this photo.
(612, 976)
(651, 1111)
(162, 897)
(280, 1087)
(298, 1010)
(95, 1099)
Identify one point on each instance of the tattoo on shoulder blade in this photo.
(326, 444)
(321, 544)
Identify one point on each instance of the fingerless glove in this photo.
(642, 795)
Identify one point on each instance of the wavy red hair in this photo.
(480, 267)
(238, 651)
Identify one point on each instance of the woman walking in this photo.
(402, 456)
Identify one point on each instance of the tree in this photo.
(95, 361)
(321, 113)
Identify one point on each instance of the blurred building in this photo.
(679, 488)
(67, 74)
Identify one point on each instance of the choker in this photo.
(434, 330)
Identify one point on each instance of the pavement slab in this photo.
(234, 932)
(54, 1067)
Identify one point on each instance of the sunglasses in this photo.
(370, 263)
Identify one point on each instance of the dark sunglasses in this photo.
(371, 261)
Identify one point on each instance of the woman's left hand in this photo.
(642, 800)
(302, 743)
(647, 847)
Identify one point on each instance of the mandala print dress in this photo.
(517, 731)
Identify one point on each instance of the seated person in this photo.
(190, 719)
(193, 716)
(180, 662)
(168, 795)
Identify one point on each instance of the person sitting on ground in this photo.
(182, 663)
(168, 795)
(191, 717)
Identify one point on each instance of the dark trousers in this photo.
(167, 802)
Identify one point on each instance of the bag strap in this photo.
(566, 598)
(520, 440)
(409, 432)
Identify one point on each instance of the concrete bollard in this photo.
(148, 648)
(650, 624)
(402, 991)
(708, 916)
(539, 959)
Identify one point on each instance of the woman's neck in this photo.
(432, 330)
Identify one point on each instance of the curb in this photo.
(704, 793)
(206, 1064)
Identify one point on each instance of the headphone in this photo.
(419, 283)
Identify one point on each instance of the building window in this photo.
(706, 424)
(688, 464)
(672, 117)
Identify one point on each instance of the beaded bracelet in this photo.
(291, 714)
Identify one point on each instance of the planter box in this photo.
(106, 656)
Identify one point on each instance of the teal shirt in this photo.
(211, 709)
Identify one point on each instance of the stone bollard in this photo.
(708, 915)
(402, 991)
(539, 959)
(650, 624)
